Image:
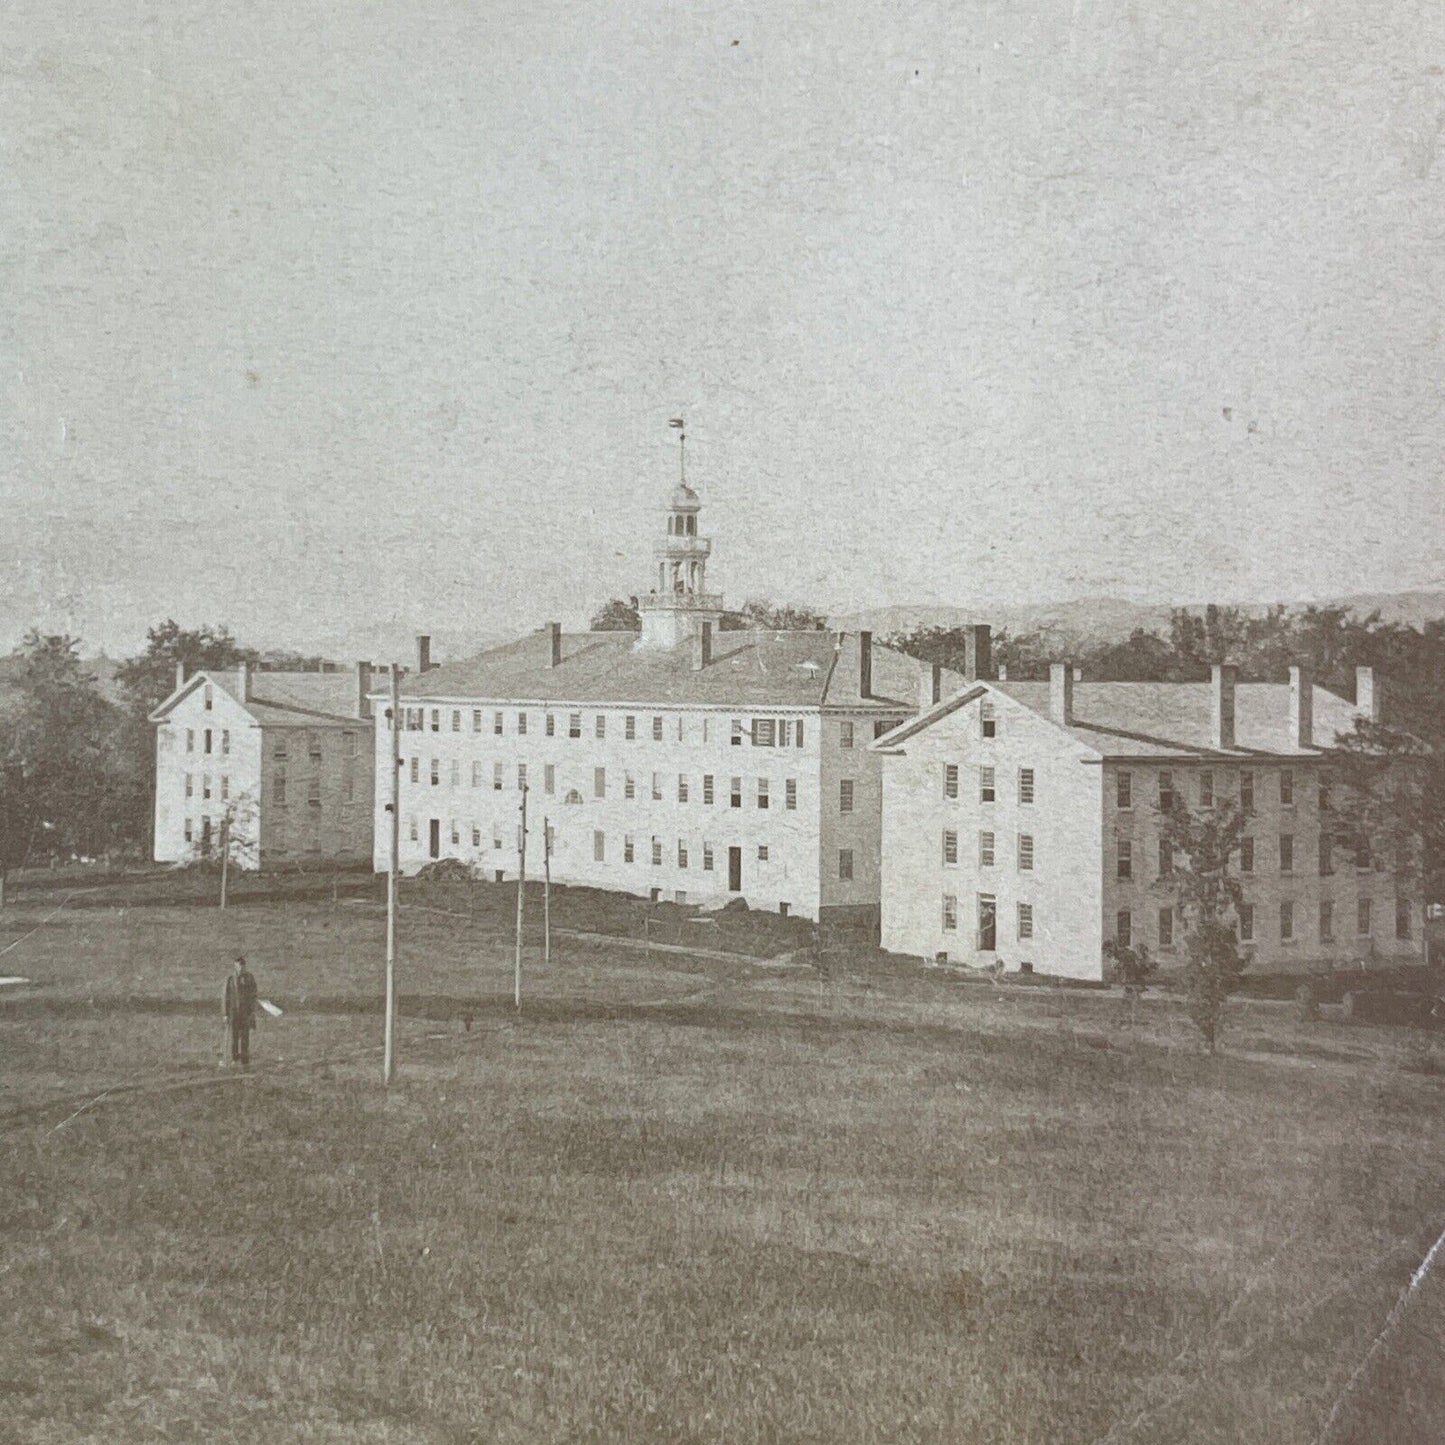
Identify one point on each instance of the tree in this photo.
(1199, 853)
(781, 617)
(147, 680)
(1132, 967)
(617, 616)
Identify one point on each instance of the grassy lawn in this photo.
(679, 1199)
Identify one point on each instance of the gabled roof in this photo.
(280, 699)
(1160, 719)
(748, 669)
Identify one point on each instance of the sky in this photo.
(333, 320)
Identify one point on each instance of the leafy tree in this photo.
(781, 617)
(1132, 967)
(617, 616)
(147, 680)
(1207, 894)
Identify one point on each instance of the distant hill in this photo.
(1093, 620)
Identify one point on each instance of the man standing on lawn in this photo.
(240, 1009)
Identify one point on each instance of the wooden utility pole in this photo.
(225, 852)
(394, 809)
(546, 891)
(521, 895)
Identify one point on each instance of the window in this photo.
(1286, 787)
(574, 725)
(1124, 790)
(436, 772)
(456, 720)
(412, 829)
(950, 913)
(628, 849)
(599, 782)
(657, 787)
(313, 792)
(798, 733)
(763, 793)
(1286, 852)
(456, 773)
(476, 719)
(436, 720)
(600, 726)
(1362, 918)
(521, 776)
(985, 785)
(1166, 790)
(950, 780)
(1246, 922)
(348, 741)
(225, 742)
(191, 743)
(657, 852)
(785, 729)
(1026, 920)
(1206, 788)
(845, 864)
(1327, 921)
(629, 786)
(1166, 928)
(765, 732)
(599, 846)
(549, 777)
(1166, 858)
(950, 848)
(735, 738)
(762, 852)
(188, 830)
(1026, 852)
(1402, 918)
(497, 777)
(415, 770)
(1246, 855)
(206, 740)
(1362, 852)
(1124, 860)
(226, 787)
(790, 794)
(476, 773)
(707, 788)
(985, 850)
(881, 727)
(208, 697)
(988, 722)
(1327, 861)
(1026, 785)
(1246, 791)
(784, 909)
(456, 836)
(521, 724)
(1324, 796)
(1286, 920)
(629, 728)
(987, 940)
(845, 795)
(313, 745)
(735, 793)
(1124, 928)
(190, 785)
(476, 836)
(549, 725)
(498, 724)
(845, 735)
(657, 729)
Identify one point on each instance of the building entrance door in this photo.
(735, 870)
(434, 838)
(987, 923)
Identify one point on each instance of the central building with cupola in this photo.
(682, 762)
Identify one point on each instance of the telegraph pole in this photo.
(546, 891)
(394, 808)
(521, 895)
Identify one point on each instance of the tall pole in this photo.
(521, 895)
(546, 891)
(225, 852)
(394, 808)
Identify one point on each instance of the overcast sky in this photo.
(372, 314)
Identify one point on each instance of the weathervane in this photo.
(680, 426)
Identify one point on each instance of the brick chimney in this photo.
(1061, 693)
(554, 644)
(243, 682)
(1367, 701)
(930, 686)
(423, 652)
(1223, 677)
(977, 652)
(1301, 708)
(702, 647)
(865, 664)
(180, 675)
(363, 686)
